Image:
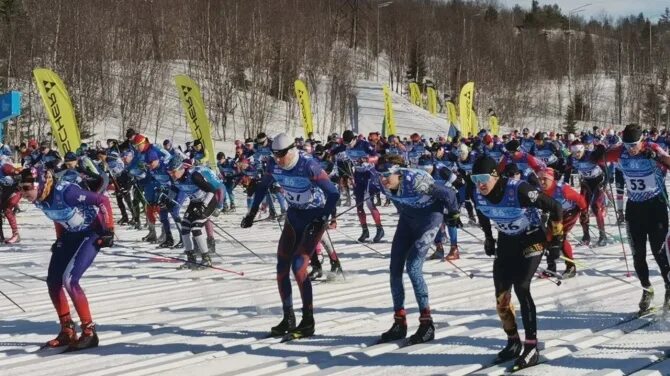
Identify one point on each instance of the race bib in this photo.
(641, 184)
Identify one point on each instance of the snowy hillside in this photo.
(155, 320)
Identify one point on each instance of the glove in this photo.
(198, 210)
(106, 239)
(248, 219)
(556, 229)
(490, 246)
(452, 219)
(317, 224)
(555, 247)
(55, 245)
(648, 153)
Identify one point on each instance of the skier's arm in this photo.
(321, 180)
(75, 196)
(531, 197)
(260, 190)
(570, 194)
(204, 186)
(485, 224)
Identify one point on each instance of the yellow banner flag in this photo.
(452, 115)
(465, 103)
(194, 106)
(59, 108)
(432, 100)
(302, 94)
(389, 121)
(415, 94)
(493, 124)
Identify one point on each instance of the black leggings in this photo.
(515, 266)
(648, 219)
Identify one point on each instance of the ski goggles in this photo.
(631, 145)
(282, 153)
(480, 178)
(387, 169)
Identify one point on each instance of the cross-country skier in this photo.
(84, 224)
(513, 206)
(420, 203)
(572, 203)
(200, 184)
(311, 197)
(644, 165)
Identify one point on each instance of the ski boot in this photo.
(645, 301)
(379, 235)
(398, 329)
(365, 235)
(439, 252)
(162, 237)
(529, 357)
(570, 271)
(191, 261)
(217, 212)
(586, 239)
(211, 245)
(180, 244)
(511, 350)
(426, 331)
(620, 217)
(87, 340)
(232, 208)
(286, 325)
(333, 224)
(66, 337)
(472, 220)
(206, 261)
(666, 300)
(454, 253)
(378, 200)
(14, 239)
(335, 267)
(306, 326)
(317, 272)
(123, 221)
(168, 243)
(151, 236)
(602, 240)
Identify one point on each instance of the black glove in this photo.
(453, 219)
(55, 245)
(248, 219)
(555, 247)
(198, 210)
(648, 153)
(490, 246)
(317, 224)
(106, 239)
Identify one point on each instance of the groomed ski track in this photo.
(154, 319)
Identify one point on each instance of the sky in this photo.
(615, 8)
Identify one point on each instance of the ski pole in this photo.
(239, 242)
(582, 265)
(333, 245)
(469, 275)
(361, 243)
(26, 274)
(13, 302)
(168, 257)
(351, 208)
(618, 225)
(13, 283)
(587, 245)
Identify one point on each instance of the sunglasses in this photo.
(631, 145)
(27, 187)
(480, 178)
(577, 149)
(280, 153)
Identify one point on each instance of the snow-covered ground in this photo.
(154, 319)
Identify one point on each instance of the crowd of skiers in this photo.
(532, 188)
